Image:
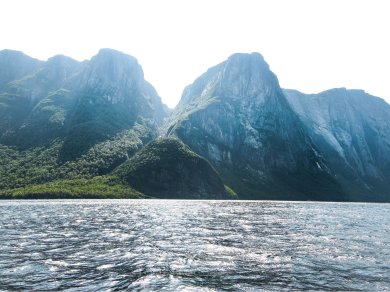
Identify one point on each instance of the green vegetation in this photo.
(71, 130)
(159, 153)
(13, 108)
(231, 194)
(167, 168)
(164, 168)
(97, 187)
(44, 123)
(19, 168)
(94, 120)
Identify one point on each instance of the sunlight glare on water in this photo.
(178, 245)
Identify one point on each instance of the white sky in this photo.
(311, 45)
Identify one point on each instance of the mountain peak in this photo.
(237, 117)
(112, 55)
(248, 61)
(115, 64)
(247, 57)
(110, 51)
(17, 65)
(10, 56)
(61, 59)
(247, 76)
(243, 76)
(113, 74)
(8, 52)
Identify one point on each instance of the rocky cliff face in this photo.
(63, 119)
(119, 79)
(111, 96)
(87, 117)
(63, 98)
(15, 65)
(34, 106)
(352, 130)
(14, 107)
(237, 116)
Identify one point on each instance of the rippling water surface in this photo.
(193, 245)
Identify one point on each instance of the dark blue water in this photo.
(157, 245)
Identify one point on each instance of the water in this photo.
(157, 245)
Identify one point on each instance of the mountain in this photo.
(237, 116)
(98, 129)
(13, 108)
(111, 97)
(15, 65)
(352, 131)
(166, 168)
(66, 119)
(44, 96)
(74, 129)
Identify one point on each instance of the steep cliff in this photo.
(236, 116)
(352, 130)
(15, 65)
(69, 119)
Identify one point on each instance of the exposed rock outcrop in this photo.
(236, 116)
(352, 130)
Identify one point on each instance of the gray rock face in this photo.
(81, 103)
(113, 74)
(83, 118)
(52, 75)
(15, 65)
(237, 116)
(20, 98)
(352, 130)
(119, 79)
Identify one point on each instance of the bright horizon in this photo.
(310, 45)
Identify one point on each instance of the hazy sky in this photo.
(310, 45)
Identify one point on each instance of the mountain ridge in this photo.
(245, 127)
(71, 122)
(54, 126)
(352, 128)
